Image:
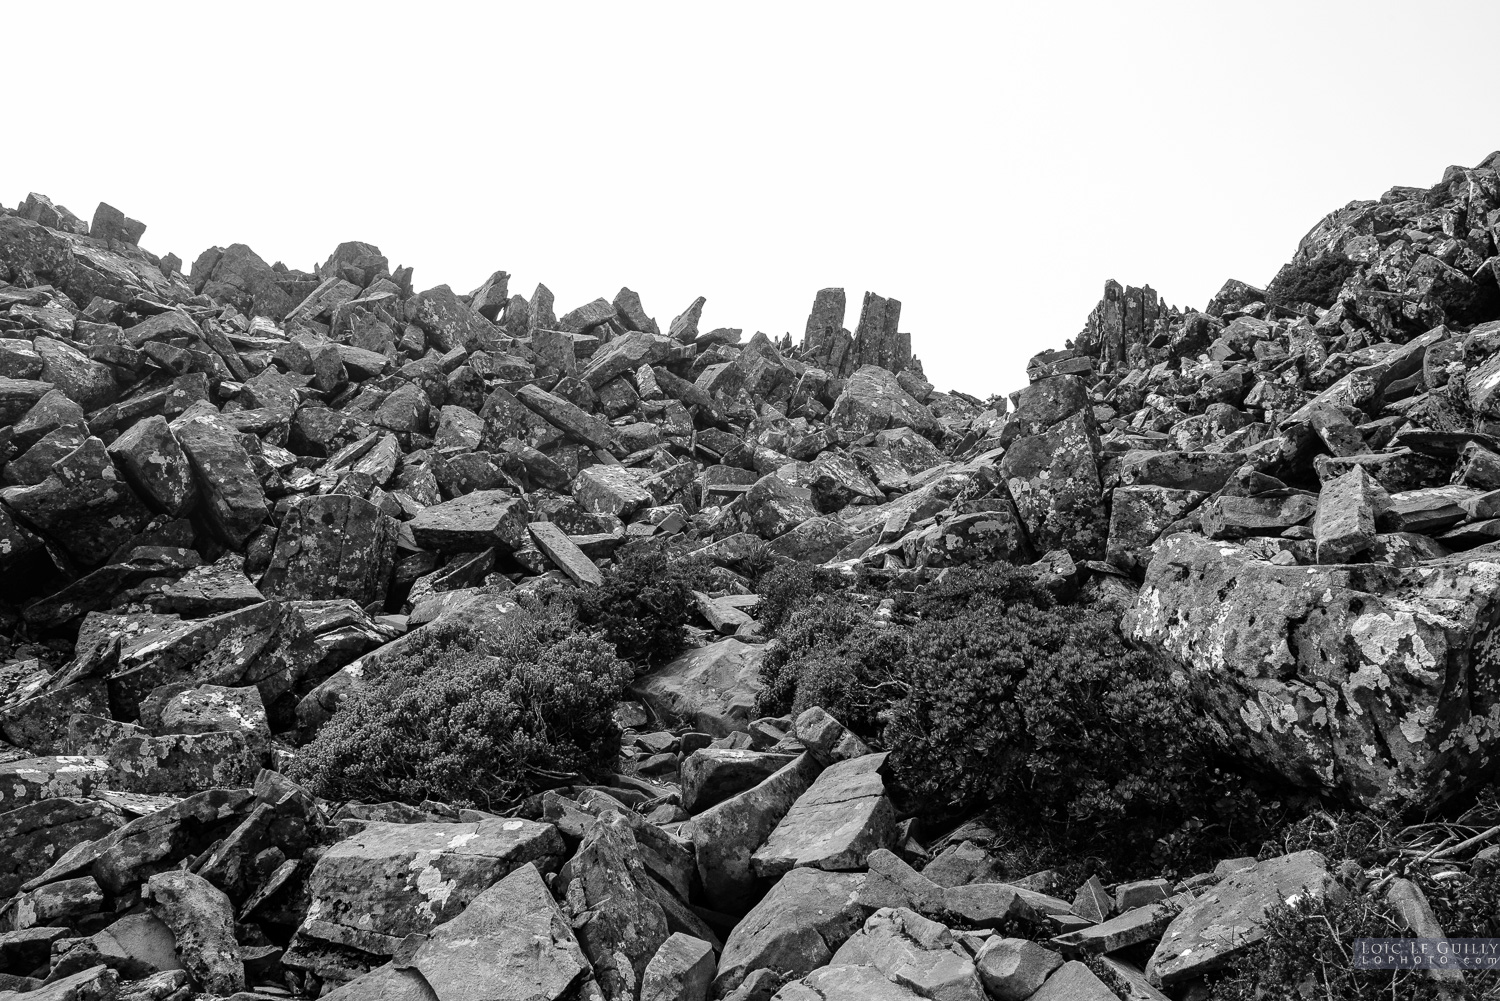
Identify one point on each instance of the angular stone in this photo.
(609, 490)
(1344, 526)
(775, 505)
(711, 775)
(845, 983)
(1137, 925)
(681, 970)
(333, 546)
(1345, 677)
(620, 924)
(183, 763)
(33, 835)
(873, 400)
(1228, 918)
(388, 881)
(712, 688)
(841, 818)
(622, 356)
(61, 903)
(989, 905)
(796, 927)
(447, 323)
(913, 952)
(1014, 969)
(86, 382)
(1053, 477)
(233, 498)
(1137, 517)
(156, 466)
(562, 551)
(31, 780)
(567, 417)
(1074, 982)
(727, 835)
(202, 921)
(511, 941)
(210, 590)
(484, 519)
(84, 504)
(1227, 517)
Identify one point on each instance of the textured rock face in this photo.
(1374, 681)
(713, 687)
(372, 890)
(335, 546)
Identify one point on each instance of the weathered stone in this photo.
(31, 780)
(620, 924)
(1137, 517)
(334, 546)
(681, 970)
(1074, 982)
(711, 775)
(712, 688)
(83, 503)
(34, 834)
(156, 466)
(511, 941)
(873, 400)
(484, 519)
(1345, 523)
(727, 835)
(841, 818)
(202, 921)
(1340, 677)
(1228, 918)
(796, 927)
(232, 495)
(388, 881)
(1014, 969)
(1053, 477)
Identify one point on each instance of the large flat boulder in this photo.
(843, 817)
(796, 927)
(1372, 681)
(389, 881)
(333, 546)
(712, 688)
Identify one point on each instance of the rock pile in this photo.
(230, 493)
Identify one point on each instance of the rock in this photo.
(845, 983)
(33, 780)
(835, 824)
(873, 400)
(826, 738)
(795, 928)
(388, 881)
(562, 551)
(711, 775)
(1138, 515)
(202, 922)
(727, 835)
(156, 466)
(620, 925)
(961, 864)
(1053, 478)
(97, 983)
(609, 490)
(1014, 969)
(183, 763)
(1074, 982)
(334, 546)
(713, 688)
(511, 941)
(62, 902)
(1347, 508)
(988, 905)
(36, 833)
(1245, 630)
(913, 952)
(681, 970)
(83, 503)
(233, 499)
(1227, 918)
(142, 939)
(484, 519)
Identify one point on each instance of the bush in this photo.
(478, 715)
(832, 653)
(790, 585)
(1306, 954)
(1318, 281)
(644, 605)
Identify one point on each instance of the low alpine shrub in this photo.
(643, 605)
(478, 715)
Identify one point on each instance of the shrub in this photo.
(643, 605)
(478, 715)
(832, 653)
(1306, 954)
(1318, 281)
(790, 585)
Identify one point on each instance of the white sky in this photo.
(990, 165)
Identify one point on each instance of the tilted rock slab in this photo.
(836, 824)
(1379, 683)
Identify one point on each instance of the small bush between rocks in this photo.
(1317, 282)
(788, 586)
(480, 715)
(643, 605)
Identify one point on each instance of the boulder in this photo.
(620, 925)
(1348, 678)
(232, 496)
(156, 466)
(795, 928)
(32, 836)
(712, 688)
(711, 775)
(1014, 969)
(484, 519)
(333, 546)
(202, 922)
(873, 400)
(913, 952)
(1229, 917)
(842, 817)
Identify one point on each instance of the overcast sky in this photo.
(990, 165)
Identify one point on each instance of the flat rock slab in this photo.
(35, 834)
(31, 780)
(1228, 918)
(711, 775)
(836, 824)
(484, 519)
(511, 941)
(371, 890)
(845, 983)
(564, 553)
(713, 688)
